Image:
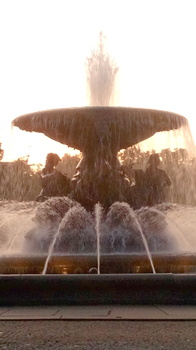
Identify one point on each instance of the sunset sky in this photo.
(44, 45)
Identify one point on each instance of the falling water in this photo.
(51, 248)
(180, 232)
(98, 212)
(145, 244)
(121, 216)
(10, 244)
(5, 221)
(185, 241)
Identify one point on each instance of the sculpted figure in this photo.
(141, 191)
(158, 180)
(54, 183)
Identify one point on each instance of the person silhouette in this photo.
(157, 179)
(54, 183)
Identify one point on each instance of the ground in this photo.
(97, 335)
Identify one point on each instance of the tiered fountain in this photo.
(91, 247)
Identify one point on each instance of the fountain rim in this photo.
(101, 108)
(81, 127)
(123, 289)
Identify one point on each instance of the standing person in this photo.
(54, 183)
(157, 179)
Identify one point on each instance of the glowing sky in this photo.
(44, 44)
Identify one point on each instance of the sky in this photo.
(45, 43)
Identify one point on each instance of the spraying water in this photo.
(18, 232)
(98, 212)
(174, 224)
(146, 245)
(5, 221)
(101, 74)
(75, 234)
(51, 248)
(125, 226)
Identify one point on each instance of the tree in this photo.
(1, 152)
(19, 181)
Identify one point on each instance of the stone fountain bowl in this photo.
(69, 282)
(89, 127)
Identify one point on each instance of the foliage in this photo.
(179, 167)
(19, 181)
(1, 152)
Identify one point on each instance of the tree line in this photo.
(20, 181)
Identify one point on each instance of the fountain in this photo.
(92, 246)
(99, 133)
(75, 254)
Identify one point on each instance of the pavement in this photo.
(97, 335)
(100, 312)
(131, 327)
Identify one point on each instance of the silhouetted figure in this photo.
(113, 187)
(105, 186)
(141, 191)
(157, 179)
(54, 183)
(129, 171)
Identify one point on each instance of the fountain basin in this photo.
(127, 289)
(87, 264)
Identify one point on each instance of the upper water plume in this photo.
(101, 74)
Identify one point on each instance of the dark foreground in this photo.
(126, 289)
(98, 335)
